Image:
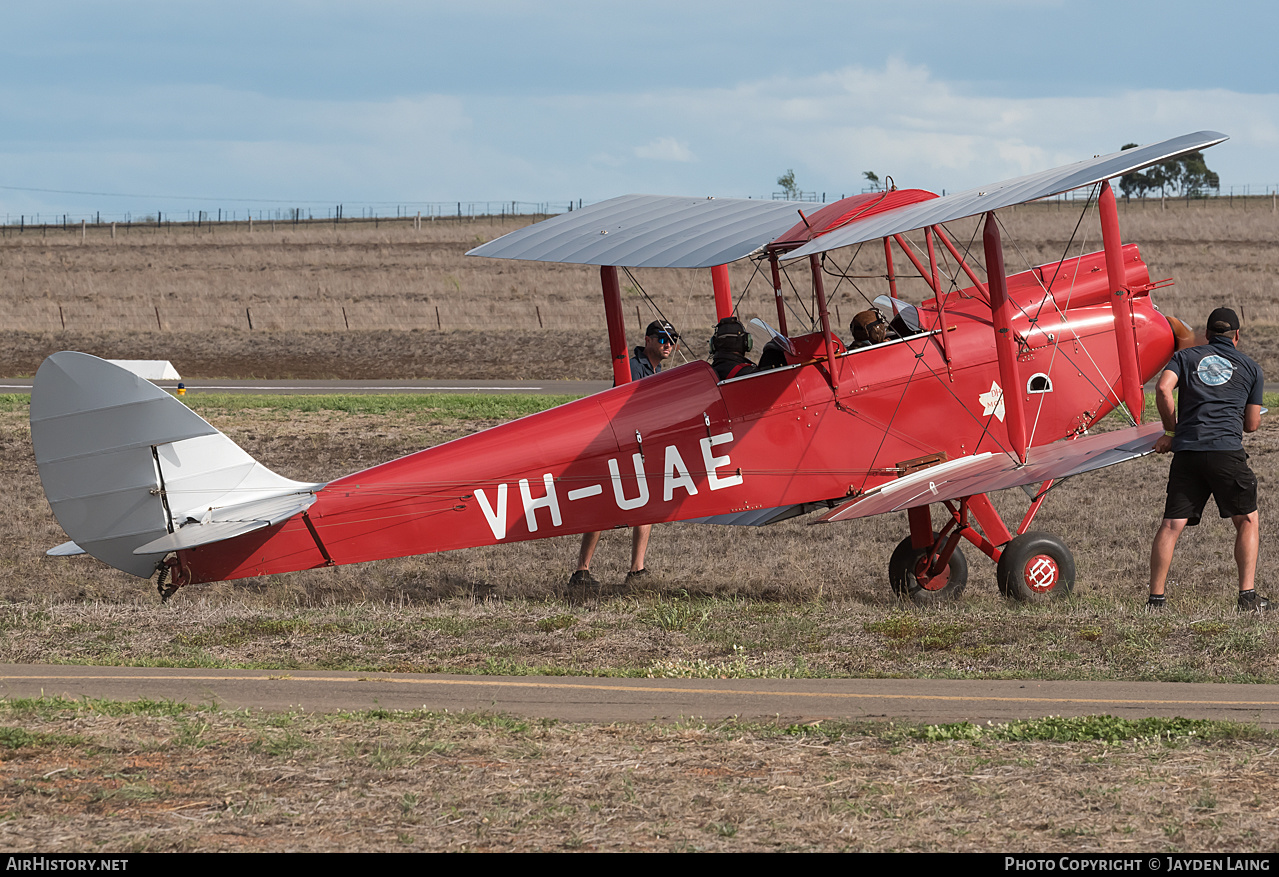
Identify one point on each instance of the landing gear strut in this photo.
(170, 567)
(920, 575)
(928, 568)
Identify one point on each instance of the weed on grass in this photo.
(1105, 729)
(679, 613)
(931, 634)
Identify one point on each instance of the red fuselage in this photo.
(679, 445)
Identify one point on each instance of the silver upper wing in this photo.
(649, 231)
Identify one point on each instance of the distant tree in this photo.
(1136, 183)
(872, 178)
(1196, 179)
(1188, 175)
(787, 182)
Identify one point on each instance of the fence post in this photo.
(249, 317)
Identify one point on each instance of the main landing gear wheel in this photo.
(1035, 567)
(908, 574)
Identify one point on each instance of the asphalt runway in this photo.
(584, 699)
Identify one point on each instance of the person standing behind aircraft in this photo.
(660, 343)
(1219, 400)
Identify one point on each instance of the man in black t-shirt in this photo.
(1219, 400)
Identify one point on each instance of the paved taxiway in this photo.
(584, 699)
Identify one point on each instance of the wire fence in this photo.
(335, 213)
(1245, 195)
(44, 315)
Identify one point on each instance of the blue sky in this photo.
(239, 105)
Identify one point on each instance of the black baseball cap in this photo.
(1223, 320)
(659, 327)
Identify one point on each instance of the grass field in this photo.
(788, 600)
(785, 600)
(143, 777)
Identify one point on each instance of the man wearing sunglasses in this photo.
(660, 341)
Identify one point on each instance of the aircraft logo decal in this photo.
(1042, 573)
(992, 402)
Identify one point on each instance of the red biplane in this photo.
(992, 382)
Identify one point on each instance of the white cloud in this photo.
(898, 119)
(664, 149)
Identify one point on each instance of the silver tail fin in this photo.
(131, 473)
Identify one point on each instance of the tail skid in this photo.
(132, 474)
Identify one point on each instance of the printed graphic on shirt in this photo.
(1215, 370)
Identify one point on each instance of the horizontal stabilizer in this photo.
(984, 473)
(124, 464)
(66, 549)
(229, 522)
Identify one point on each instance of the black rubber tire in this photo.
(901, 575)
(1036, 567)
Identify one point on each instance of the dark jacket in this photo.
(731, 365)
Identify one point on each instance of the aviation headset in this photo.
(731, 337)
(863, 331)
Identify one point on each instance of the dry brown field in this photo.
(374, 301)
(785, 600)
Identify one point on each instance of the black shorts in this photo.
(1195, 475)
